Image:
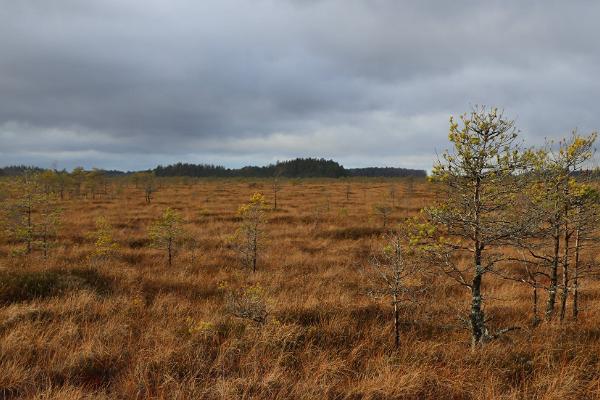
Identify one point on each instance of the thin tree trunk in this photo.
(396, 322)
(576, 276)
(45, 244)
(254, 251)
(536, 318)
(565, 276)
(169, 247)
(550, 305)
(29, 229)
(477, 316)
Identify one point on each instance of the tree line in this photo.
(297, 168)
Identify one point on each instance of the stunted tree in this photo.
(276, 187)
(94, 181)
(249, 237)
(24, 199)
(387, 273)
(384, 211)
(48, 222)
(61, 179)
(167, 233)
(478, 215)
(147, 181)
(586, 203)
(47, 180)
(551, 201)
(105, 246)
(77, 178)
(149, 187)
(392, 193)
(32, 214)
(409, 192)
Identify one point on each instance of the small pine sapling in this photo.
(167, 233)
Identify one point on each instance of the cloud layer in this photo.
(129, 84)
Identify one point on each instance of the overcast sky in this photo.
(131, 84)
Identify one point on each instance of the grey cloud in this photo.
(130, 84)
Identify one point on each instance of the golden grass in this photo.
(133, 328)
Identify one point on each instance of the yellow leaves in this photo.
(199, 327)
(257, 202)
(257, 198)
(254, 292)
(167, 229)
(583, 193)
(388, 249)
(104, 244)
(243, 209)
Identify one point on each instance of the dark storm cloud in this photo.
(129, 84)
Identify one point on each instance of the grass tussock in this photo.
(19, 286)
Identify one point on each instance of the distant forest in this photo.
(298, 168)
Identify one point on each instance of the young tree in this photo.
(62, 182)
(478, 215)
(94, 180)
(46, 228)
(392, 193)
(147, 181)
(25, 199)
(384, 211)
(47, 180)
(105, 245)
(327, 196)
(149, 186)
(387, 272)
(250, 235)
(550, 198)
(586, 203)
(409, 192)
(167, 232)
(32, 214)
(276, 187)
(77, 179)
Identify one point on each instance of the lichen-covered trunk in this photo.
(576, 276)
(565, 276)
(550, 305)
(536, 317)
(477, 315)
(396, 322)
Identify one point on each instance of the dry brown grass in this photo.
(134, 328)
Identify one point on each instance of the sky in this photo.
(124, 84)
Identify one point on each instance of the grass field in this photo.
(132, 327)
